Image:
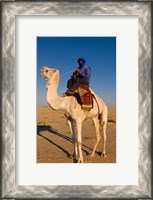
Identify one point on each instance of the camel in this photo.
(75, 114)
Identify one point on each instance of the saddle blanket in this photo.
(86, 98)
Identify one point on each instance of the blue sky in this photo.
(62, 53)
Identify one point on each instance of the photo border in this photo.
(10, 10)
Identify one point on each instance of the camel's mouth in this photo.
(42, 73)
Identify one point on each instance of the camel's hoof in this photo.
(91, 155)
(80, 160)
(103, 155)
(71, 156)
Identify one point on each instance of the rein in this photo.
(67, 73)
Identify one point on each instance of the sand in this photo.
(54, 141)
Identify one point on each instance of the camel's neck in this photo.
(52, 96)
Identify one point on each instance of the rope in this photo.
(68, 73)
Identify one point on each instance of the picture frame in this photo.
(9, 11)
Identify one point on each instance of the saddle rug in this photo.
(86, 98)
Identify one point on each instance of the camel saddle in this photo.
(84, 97)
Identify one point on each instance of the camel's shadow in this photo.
(41, 128)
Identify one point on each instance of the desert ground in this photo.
(54, 141)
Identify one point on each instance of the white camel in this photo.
(74, 113)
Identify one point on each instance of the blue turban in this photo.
(81, 62)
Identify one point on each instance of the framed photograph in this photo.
(46, 145)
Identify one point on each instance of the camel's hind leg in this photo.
(72, 129)
(104, 126)
(96, 124)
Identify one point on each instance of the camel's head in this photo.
(49, 73)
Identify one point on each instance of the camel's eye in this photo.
(46, 70)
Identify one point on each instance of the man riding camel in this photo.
(81, 76)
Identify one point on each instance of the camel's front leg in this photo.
(72, 129)
(79, 141)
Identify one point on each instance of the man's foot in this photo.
(68, 93)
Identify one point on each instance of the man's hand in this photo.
(78, 70)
